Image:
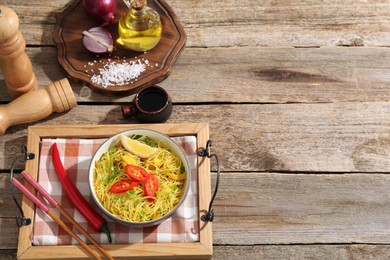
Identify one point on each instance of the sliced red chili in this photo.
(122, 186)
(151, 187)
(136, 173)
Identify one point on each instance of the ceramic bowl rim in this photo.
(115, 139)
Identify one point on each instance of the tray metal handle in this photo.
(205, 152)
(20, 220)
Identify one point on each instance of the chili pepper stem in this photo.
(105, 229)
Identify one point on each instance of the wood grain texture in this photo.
(272, 208)
(324, 137)
(9, 234)
(296, 96)
(325, 252)
(248, 23)
(302, 208)
(255, 75)
(298, 252)
(8, 209)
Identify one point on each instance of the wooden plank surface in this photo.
(296, 94)
(323, 137)
(324, 252)
(274, 208)
(229, 23)
(253, 75)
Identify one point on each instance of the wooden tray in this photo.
(198, 250)
(76, 60)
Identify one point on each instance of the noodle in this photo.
(133, 205)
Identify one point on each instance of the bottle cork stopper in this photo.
(138, 4)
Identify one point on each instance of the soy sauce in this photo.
(152, 100)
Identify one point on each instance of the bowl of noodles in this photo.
(139, 177)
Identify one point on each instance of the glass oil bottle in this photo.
(140, 27)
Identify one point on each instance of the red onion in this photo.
(100, 10)
(98, 40)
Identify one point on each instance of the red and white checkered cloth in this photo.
(76, 155)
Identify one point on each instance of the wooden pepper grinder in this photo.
(14, 62)
(38, 104)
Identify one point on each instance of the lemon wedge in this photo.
(137, 148)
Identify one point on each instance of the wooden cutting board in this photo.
(81, 65)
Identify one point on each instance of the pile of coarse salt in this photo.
(119, 72)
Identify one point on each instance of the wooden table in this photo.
(296, 94)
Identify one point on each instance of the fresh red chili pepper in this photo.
(122, 186)
(74, 195)
(151, 187)
(136, 173)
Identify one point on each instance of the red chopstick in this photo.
(55, 204)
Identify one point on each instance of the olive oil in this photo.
(140, 28)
